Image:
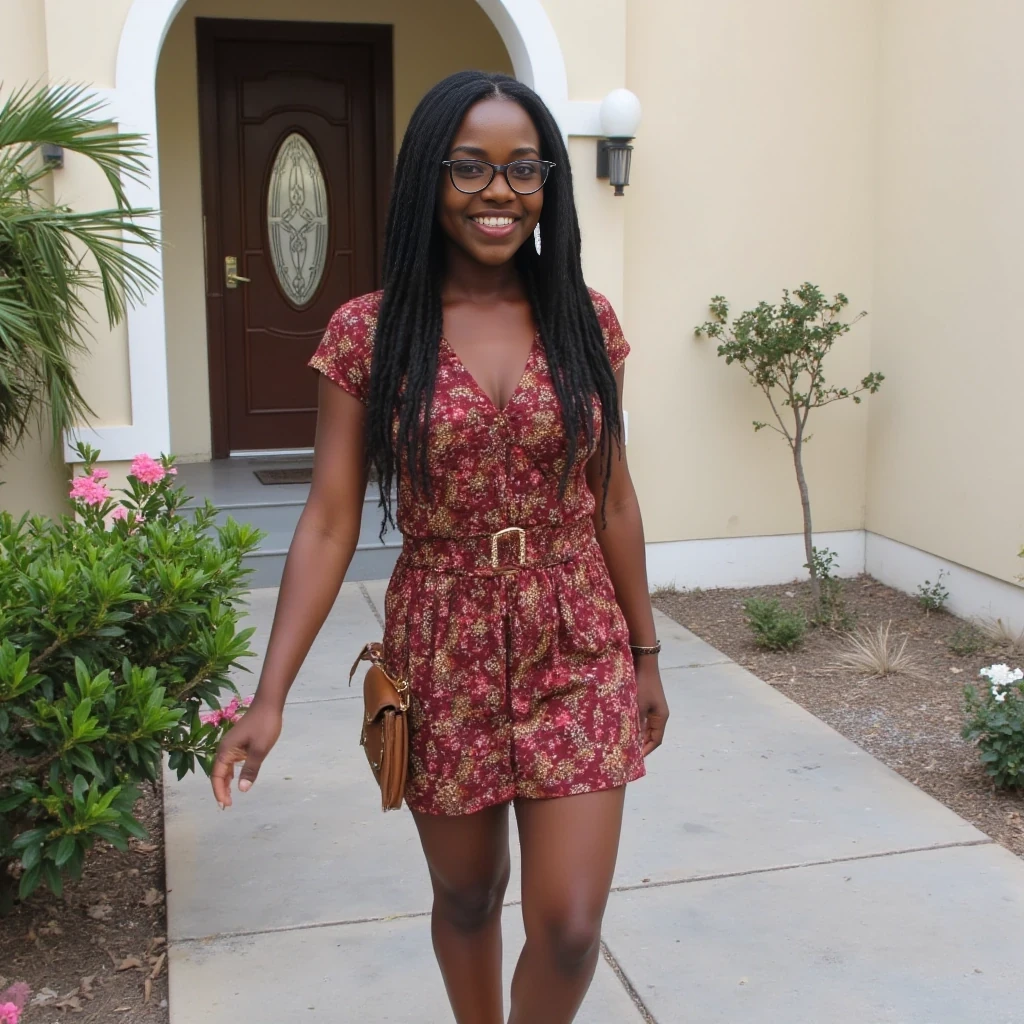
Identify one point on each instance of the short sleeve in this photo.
(346, 349)
(614, 339)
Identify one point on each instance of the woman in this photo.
(485, 380)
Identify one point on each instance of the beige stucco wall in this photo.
(430, 41)
(752, 172)
(945, 453)
(866, 145)
(33, 480)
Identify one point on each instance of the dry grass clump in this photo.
(999, 632)
(877, 654)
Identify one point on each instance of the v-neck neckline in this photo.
(479, 387)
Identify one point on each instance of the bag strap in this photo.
(371, 652)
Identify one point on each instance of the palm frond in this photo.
(51, 256)
(66, 115)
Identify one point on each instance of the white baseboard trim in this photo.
(763, 561)
(747, 561)
(971, 592)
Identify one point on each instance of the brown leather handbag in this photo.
(385, 733)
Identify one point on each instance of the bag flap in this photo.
(379, 693)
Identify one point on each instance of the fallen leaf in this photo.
(69, 1002)
(158, 966)
(43, 997)
(123, 1009)
(146, 847)
(128, 963)
(85, 986)
(100, 911)
(152, 896)
(148, 990)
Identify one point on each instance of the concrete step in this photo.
(277, 519)
(372, 561)
(275, 510)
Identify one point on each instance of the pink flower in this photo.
(100, 474)
(89, 490)
(231, 713)
(147, 470)
(14, 999)
(119, 513)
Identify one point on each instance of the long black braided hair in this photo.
(409, 324)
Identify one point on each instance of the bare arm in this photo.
(621, 537)
(324, 542)
(318, 558)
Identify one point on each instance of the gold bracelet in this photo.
(654, 648)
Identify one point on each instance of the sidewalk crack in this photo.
(800, 864)
(628, 985)
(373, 607)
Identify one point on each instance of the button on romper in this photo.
(519, 664)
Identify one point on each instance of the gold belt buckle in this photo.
(522, 544)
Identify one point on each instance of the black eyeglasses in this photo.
(523, 176)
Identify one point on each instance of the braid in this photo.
(409, 326)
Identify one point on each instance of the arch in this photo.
(536, 57)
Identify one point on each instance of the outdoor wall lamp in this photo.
(620, 118)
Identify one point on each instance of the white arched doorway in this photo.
(536, 56)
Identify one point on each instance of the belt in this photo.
(501, 552)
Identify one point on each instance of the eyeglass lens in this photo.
(523, 176)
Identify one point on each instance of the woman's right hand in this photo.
(249, 740)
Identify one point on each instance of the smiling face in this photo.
(491, 225)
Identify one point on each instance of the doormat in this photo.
(299, 475)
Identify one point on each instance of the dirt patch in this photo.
(911, 723)
(100, 947)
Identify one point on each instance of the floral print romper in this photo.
(516, 651)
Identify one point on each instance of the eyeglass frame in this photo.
(497, 169)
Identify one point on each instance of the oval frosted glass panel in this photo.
(297, 220)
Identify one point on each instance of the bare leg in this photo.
(469, 868)
(569, 849)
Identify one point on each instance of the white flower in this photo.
(999, 696)
(1002, 675)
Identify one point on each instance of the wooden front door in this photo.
(297, 154)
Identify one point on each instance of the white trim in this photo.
(747, 561)
(763, 561)
(971, 593)
(536, 58)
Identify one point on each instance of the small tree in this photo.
(783, 349)
(51, 255)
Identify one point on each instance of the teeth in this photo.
(495, 222)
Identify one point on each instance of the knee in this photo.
(573, 940)
(469, 907)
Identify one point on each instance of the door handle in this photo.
(231, 277)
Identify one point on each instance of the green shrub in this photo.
(996, 724)
(774, 627)
(118, 624)
(966, 639)
(830, 609)
(932, 597)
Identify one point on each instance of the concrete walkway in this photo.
(771, 872)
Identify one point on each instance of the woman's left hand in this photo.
(651, 702)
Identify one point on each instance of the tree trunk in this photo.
(805, 501)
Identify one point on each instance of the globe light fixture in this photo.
(620, 118)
